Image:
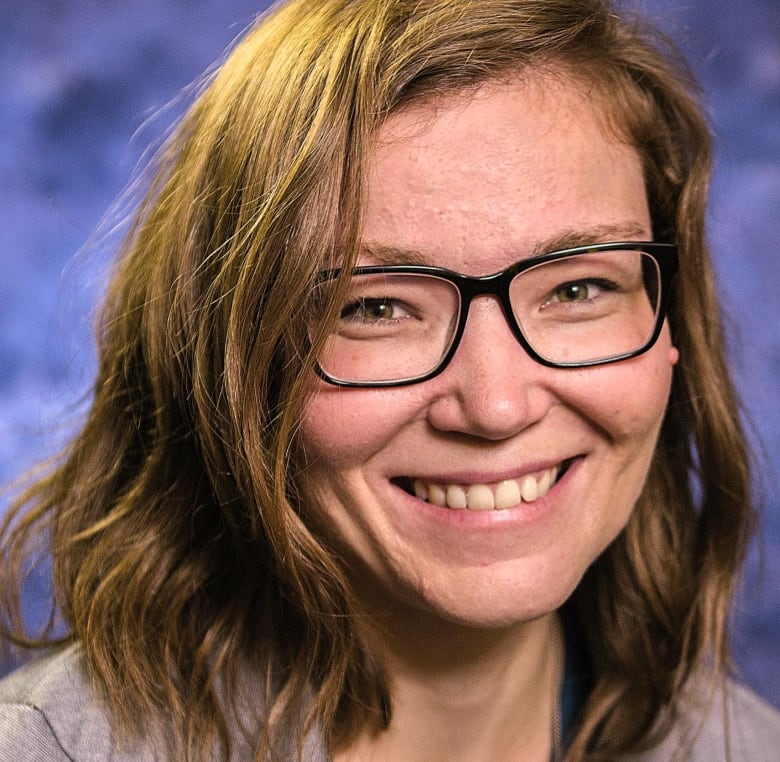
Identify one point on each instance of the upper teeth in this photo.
(484, 497)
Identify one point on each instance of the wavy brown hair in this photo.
(182, 557)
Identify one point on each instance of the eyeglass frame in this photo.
(498, 284)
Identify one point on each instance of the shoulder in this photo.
(50, 712)
(732, 724)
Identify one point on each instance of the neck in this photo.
(461, 693)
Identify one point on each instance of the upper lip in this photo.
(471, 476)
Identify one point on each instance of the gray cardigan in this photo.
(49, 712)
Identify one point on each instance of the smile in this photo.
(508, 493)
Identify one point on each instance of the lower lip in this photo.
(524, 515)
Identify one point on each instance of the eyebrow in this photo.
(384, 254)
(570, 239)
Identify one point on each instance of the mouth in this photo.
(496, 496)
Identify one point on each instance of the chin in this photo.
(491, 598)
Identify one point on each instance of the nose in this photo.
(492, 388)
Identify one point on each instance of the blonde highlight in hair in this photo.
(183, 557)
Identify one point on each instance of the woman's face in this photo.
(475, 184)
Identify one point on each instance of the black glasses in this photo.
(589, 305)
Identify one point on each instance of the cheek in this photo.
(331, 430)
(626, 401)
(342, 428)
(343, 436)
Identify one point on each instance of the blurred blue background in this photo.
(79, 77)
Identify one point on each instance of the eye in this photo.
(582, 291)
(372, 309)
(573, 292)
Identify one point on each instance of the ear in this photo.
(674, 356)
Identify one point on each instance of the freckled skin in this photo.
(476, 184)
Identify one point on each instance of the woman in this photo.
(340, 494)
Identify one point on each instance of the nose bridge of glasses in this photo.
(495, 285)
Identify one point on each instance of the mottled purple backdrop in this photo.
(79, 77)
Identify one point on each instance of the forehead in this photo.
(493, 175)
